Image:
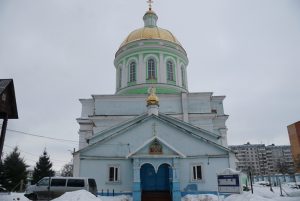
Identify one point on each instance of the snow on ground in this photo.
(13, 197)
(83, 195)
(202, 197)
(80, 195)
(116, 198)
(261, 193)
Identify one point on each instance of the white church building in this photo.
(153, 135)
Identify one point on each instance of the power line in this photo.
(33, 154)
(57, 139)
(51, 138)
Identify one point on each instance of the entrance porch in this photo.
(156, 179)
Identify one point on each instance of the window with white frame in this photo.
(132, 72)
(151, 69)
(170, 71)
(196, 172)
(113, 173)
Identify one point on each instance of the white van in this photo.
(53, 187)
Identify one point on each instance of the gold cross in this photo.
(150, 2)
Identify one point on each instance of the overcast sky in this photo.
(58, 51)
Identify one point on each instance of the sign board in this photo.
(229, 183)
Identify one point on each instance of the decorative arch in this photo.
(131, 59)
(148, 56)
(155, 180)
(155, 165)
(145, 163)
(169, 58)
(165, 163)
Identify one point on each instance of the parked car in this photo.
(53, 187)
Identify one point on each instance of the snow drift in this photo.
(79, 195)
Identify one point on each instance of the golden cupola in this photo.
(152, 98)
(151, 57)
(150, 31)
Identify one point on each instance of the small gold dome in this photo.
(150, 33)
(152, 98)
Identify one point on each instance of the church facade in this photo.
(153, 134)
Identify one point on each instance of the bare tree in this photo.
(67, 170)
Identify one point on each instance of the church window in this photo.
(170, 71)
(113, 173)
(196, 172)
(151, 69)
(132, 72)
(182, 76)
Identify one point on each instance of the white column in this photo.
(141, 71)
(185, 77)
(82, 142)
(178, 73)
(161, 70)
(184, 107)
(124, 74)
(117, 79)
(76, 165)
(223, 132)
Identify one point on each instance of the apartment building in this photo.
(264, 160)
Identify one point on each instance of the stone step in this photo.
(156, 196)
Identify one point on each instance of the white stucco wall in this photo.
(209, 172)
(98, 169)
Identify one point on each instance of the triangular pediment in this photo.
(134, 137)
(156, 147)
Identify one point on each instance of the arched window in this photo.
(120, 77)
(182, 76)
(170, 71)
(132, 72)
(151, 69)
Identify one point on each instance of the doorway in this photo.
(155, 185)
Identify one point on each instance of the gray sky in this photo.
(58, 51)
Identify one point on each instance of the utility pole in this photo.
(270, 182)
(3, 131)
(250, 175)
(21, 185)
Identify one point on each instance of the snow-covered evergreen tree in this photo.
(43, 168)
(14, 174)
